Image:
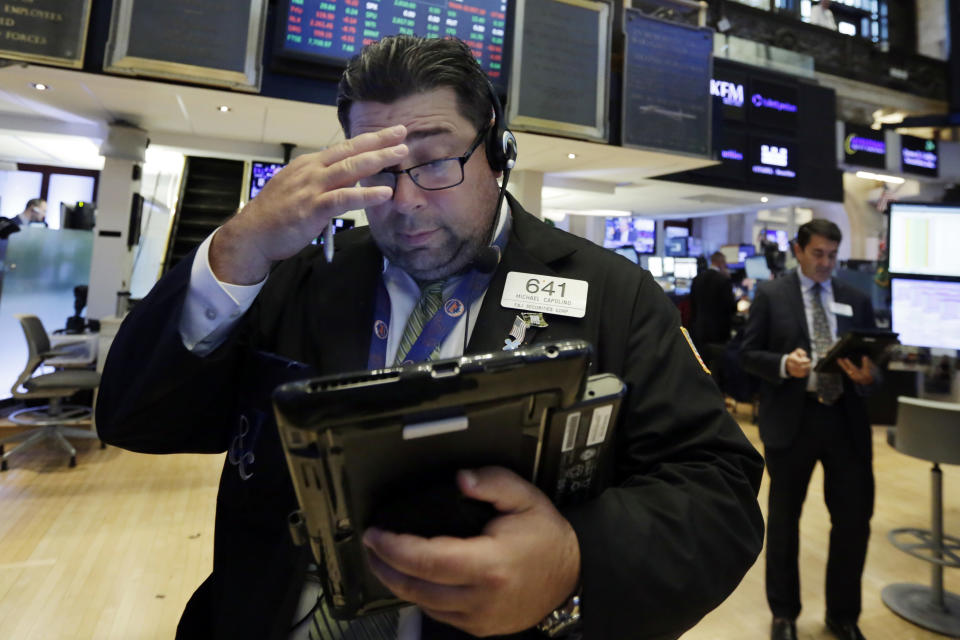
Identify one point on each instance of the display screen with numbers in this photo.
(333, 31)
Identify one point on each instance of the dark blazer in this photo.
(660, 549)
(712, 306)
(778, 325)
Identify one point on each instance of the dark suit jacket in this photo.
(777, 326)
(660, 549)
(712, 306)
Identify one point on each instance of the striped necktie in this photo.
(431, 298)
(829, 385)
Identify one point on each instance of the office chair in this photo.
(50, 420)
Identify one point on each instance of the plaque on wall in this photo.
(666, 85)
(45, 31)
(560, 70)
(215, 42)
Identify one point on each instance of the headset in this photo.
(501, 144)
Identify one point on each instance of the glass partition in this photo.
(38, 274)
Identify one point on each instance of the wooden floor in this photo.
(114, 547)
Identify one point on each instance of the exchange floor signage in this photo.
(45, 31)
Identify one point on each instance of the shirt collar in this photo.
(806, 284)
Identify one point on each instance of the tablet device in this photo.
(855, 344)
(382, 448)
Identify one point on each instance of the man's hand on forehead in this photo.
(299, 201)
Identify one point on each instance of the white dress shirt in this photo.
(827, 300)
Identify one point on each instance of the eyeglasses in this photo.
(442, 173)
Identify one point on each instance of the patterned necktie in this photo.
(431, 298)
(376, 626)
(829, 385)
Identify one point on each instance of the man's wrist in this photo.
(232, 263)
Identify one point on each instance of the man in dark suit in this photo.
(648, 558)
(807, 417)
(712, 307)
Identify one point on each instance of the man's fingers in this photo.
(507, 491)
(363, 143)
(442, 560)
(436, 597)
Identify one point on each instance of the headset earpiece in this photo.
(501, 145)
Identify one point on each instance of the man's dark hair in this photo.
(717, 257)
(401, 66)
(818, 227)
(33, 202)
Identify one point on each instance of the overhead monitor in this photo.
(685, 268)
(330, 32)
(864, 146)
(641, 233)
(561, 67)
(694, 246)
(919, 156)
(773, 160)
(926, 313)
(260, 174)
(924, 240)
(756, 267)
(655, 266)
(773, 104)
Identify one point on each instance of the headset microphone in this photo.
(487, 259)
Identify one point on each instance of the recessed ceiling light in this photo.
(223, 108)
(39, 86)
(764, 199)
(572, 156)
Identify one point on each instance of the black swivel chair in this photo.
(50, 421)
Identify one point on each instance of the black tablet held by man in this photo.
(854, 345)
(382, 448)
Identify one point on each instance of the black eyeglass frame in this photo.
(462, 160)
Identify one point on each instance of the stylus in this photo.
(328, 242)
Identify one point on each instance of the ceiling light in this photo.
(572, 156)
(867, 175)
(223, 108)
(39, 86)
(764, 199)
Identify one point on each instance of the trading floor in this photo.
(113, 548)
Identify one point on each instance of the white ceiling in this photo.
(65, 125)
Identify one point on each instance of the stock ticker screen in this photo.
(333, 31)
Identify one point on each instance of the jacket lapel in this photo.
(795, 299)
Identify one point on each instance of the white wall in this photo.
(16, 187)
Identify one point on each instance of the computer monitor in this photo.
(668, 264)
(260, 174)
(923, 239)
(780, 237)
(731, 253)
(82, 215)
(685, 268)
(744, 251)
(655, 266)
(627, 230)
(629, 253)
(926, 313)
(694, 246)
(757, 269)
(675, 246)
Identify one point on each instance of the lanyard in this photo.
(436, 330)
